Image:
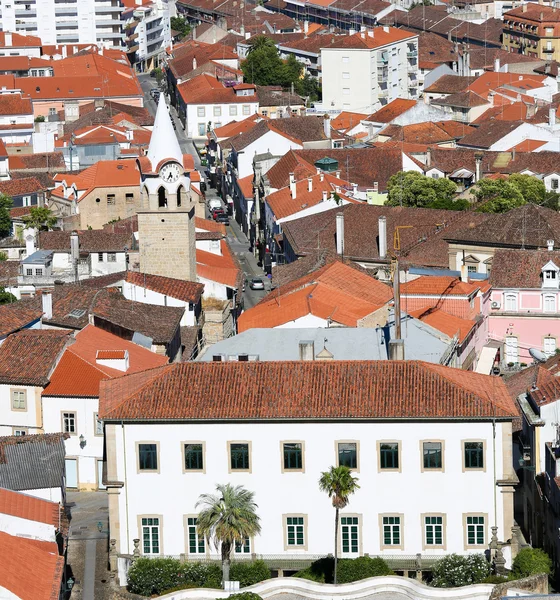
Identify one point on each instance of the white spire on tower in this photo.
(164, 142)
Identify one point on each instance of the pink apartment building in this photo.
(525, 303)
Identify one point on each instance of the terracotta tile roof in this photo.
(428, 285)
(14, 104)
(208, 225)
(20, 41)
(19, 212)
(421, 133)
(20, 187)
(447, 323)
(466, 99)
(29, 508)
(434, 50)
(488, 133)
(44, 178)
(506, 112)
(205, 89)
(491, 80)
(450, 84)
(274, 95)
(112, 113)
(51, 161)
(527, 146)
(75, 377)
(305, 129)
(19, 555)
(520, 269)
(336, 291)
(3, 151)
(379, 38)
(192, 54)
(16, 316)
(529, 226)
(534, 12)
(391, 111)
(305, 390)
(222, 268)
(347, 120)
(236, 127)
(246, 185)
(187, 291)
(9, 271)
(91, 240)
(28, 357)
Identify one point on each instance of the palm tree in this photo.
(339, 484)
(226, 518)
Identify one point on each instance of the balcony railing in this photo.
(411, 53)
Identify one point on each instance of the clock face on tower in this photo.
(170, 172)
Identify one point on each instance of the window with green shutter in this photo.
(196, 542)
(349, 534)
(391, 531)
(244, 548)
(150, 535)
(433, 531)
(295, 529)
(475, 531)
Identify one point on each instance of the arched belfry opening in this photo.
(162, 198)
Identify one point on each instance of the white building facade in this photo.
(460, 469)
(369, 69)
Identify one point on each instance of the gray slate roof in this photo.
(422, 342)
(32, 462)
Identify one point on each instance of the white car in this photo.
(256, 284)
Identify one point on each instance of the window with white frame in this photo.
(19, 400)
(100, 256)
(345, 75)
(246, 110)
(232, 110)
(196, 542)
(433, 530)
(476, 532)
(151, 535)
(345, 59)
(511, 302)
(346, 91)
(554, 183)
(201, 111)
(350, 535)
(512, 349)
(201, 128)
(243, 548)
(392, 534)
(549, 345)
(217, 111)
(98, 425)
(295, 532)
(20, 432)
(69, 422)
(549, 303)
(111, 257)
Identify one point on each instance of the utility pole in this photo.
(396, 345)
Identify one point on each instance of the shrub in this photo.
(149, 576)
(245, 596)
(531, 561)
(361, 568)
(455, 570)
(249, 573)
(310, 575)
(495, 579)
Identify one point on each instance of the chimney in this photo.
(396, 345)
(327, 126)
(74, 246)
(340, 234)
(64, 52)
(396, 349)
(363, 34)
(354, 189)
(46, 300)
(375, 187)
(8, 38)
(550, 245)
(525, 8)
(337, 174)
(247, 35)
(309, 184)
(478, 166)
(324, 195)
(306, 350)
(386, 28)
(292, 185)
(115, 359)
(382, 225)
(370, 33)
(306, 26)
(497, 65)
(491, 98)
(29, 237)
(194, 63)
(429, 157)
(552, 116)
(321, 176)
(464, 274)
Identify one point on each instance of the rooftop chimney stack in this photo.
(306, 350)
(396, 345)
(552, 116)
(29, 237)
(327, 126)
(46, 300)
(550, 245)
(324, 195)
(194, 63)
(310, 184)
(292, 185)
(497, 65)
(370, 32)
(354, 189)
(321, 176)
(464, 274)
(337, 174)
(8, 38)
(340, 234)
(382, 237)
(74, 246)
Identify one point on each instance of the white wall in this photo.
(269, 142)
(85, 409)
(27, 528)
(139, 294)
(193, 120)
(20, 419)
(411, 492)
(523, 132)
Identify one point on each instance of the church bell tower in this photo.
(166, 227)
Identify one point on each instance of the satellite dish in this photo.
(538, 355)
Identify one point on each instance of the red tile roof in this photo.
(372, 39)
(445, 322)
(391, 111)
(527, 146)
(19, 187)
(428, 285)
(20, 41)
(237, 127)
(187, 291)
(205, 89)
(305, 390)
(347, 120)
(90, 240)
(336, 291)
(209, 225)
(17, 316)
(246, 185)
(28, 357)
(30, 508)
(22, 556)
(222, 268)
(14, 104)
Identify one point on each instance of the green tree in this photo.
(532, 189)
(309, 87)
(180, 25)
(291, 71)
(6, 297)
(263, 65)
(3, 256)
(409, 188)
(497, 195)
(40, 218)
(551, 200)
(339, 484)
(455, 570)
(226, 518)
(531, 561)
(5, 220)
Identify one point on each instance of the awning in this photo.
(486, 360)
(461, 174)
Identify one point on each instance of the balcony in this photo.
(411, 53)
(100, 9)
(30, 25)
(70, 11)
(26, 12)
(548, 50)
(383, 77)
(101, 35)
(107, 22)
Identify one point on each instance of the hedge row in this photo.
(349, 569)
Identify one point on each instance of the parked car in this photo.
(154, 91)
(222, 218)
(216, 212)
(256, 284)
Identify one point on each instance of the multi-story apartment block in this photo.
(174, 432)
(65, 21)
(534, 30)
(366, 70)
(148, 32)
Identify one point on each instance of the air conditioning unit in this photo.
(495, 305)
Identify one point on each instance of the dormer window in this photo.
(550, 276)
